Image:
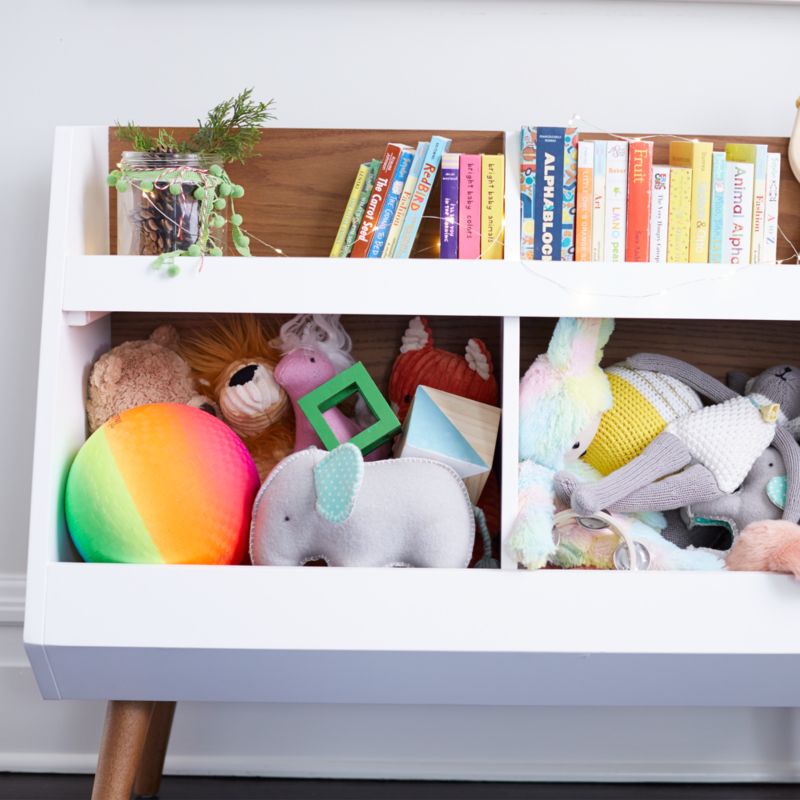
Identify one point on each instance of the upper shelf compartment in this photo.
(296, 191)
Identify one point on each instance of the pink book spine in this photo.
(469, 207)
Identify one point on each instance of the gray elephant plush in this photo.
(707, 454)
(717, 523)
(333, 506)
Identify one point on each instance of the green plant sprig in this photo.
(231, 131)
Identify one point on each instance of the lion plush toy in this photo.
(234, 360)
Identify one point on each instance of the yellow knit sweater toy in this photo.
(644, 404)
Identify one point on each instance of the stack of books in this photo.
(390, 196)
(616, 205)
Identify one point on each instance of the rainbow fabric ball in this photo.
(162, 484)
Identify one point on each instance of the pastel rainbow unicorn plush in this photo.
(562, 397)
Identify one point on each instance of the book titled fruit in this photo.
(738, 212)
(697, 157)
(549, 193)
(405, 199)
(755, 154)
(570, 186)
(349, 210)
(448, 224)
(680, 215)
(640, 167)
(420, 196)
(376, 199)
(396, 186)
(599, 202)
(659, 214)
(616, 200)
(527, 184)
(583, 201)
(492, 193)
(469, 206)
(361, 206)
(716, 225)
(771, 211)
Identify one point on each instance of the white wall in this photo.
(166, 61)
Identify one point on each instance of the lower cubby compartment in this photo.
(516, 637)
(438, 351)
(713, 448)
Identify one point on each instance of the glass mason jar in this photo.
(159, 212)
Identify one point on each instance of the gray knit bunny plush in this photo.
(707, 453)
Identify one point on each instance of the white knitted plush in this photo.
(707, 435)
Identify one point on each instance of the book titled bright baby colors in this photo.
(469, 206)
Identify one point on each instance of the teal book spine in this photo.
(716, 225)
(419, 200)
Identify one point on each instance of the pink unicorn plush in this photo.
(316, 347)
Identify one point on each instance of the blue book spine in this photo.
(527, 186)
(390, 204)
(716, 224)
(448, 225)
(419, 200)
(549, 193)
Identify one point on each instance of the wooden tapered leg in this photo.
(151, 767)
(124, 736)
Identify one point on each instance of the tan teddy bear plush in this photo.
(140, 372)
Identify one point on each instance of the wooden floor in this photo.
(62, 787)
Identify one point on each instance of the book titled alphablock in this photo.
(458, 432)
(350, 381)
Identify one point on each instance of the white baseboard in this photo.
(300, 767)
(12, 599)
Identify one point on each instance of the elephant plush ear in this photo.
(337, 480)
(776, 491)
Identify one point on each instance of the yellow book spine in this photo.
(492, 195)
(698, 157)
(349, 210)
(680, 214)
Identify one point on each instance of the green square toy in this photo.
(340, 387)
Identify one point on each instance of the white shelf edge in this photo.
(101, 284)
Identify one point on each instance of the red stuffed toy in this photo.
(420, 363)
(470, 376)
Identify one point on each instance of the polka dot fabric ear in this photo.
(337, 479)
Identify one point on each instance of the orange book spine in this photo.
(583, 202)
(640, 168)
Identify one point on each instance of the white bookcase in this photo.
(385, 636)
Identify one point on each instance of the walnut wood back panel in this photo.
(296, 190)
(716, 346)
(376, 340)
